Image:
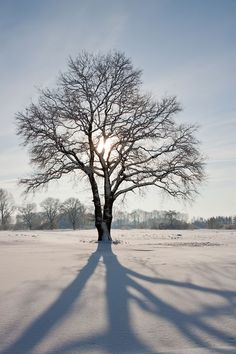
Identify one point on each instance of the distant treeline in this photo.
(72, 214)
(170, 219)
(53, 214)
(215, 222)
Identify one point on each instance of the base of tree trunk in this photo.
(104, 234)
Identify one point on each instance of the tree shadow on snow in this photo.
(120, 336)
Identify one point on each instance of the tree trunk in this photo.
(104, 234)
(103, 220)
(107, 217)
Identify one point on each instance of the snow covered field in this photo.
(152, 292)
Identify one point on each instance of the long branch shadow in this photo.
(54, 314)
(119, 336)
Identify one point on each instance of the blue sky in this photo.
(184, 47)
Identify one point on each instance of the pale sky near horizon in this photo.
(184, 47)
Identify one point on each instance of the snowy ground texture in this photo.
(152, 292)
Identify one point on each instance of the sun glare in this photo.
(104, 145)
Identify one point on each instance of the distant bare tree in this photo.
(27, 213)
(51, 209)
(234, 220)
(74, 210)
(97, 122)
(6, 208)
(171, 216)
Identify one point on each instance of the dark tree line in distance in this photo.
(170, 219)
(72, 214)
(52, 214)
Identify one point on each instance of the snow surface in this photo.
(152, 292)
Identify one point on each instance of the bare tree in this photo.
(234, 220)
(27, 213)
(6, 208)
(171, 216)
(97, 122)
(74, 210)
(51, 209)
